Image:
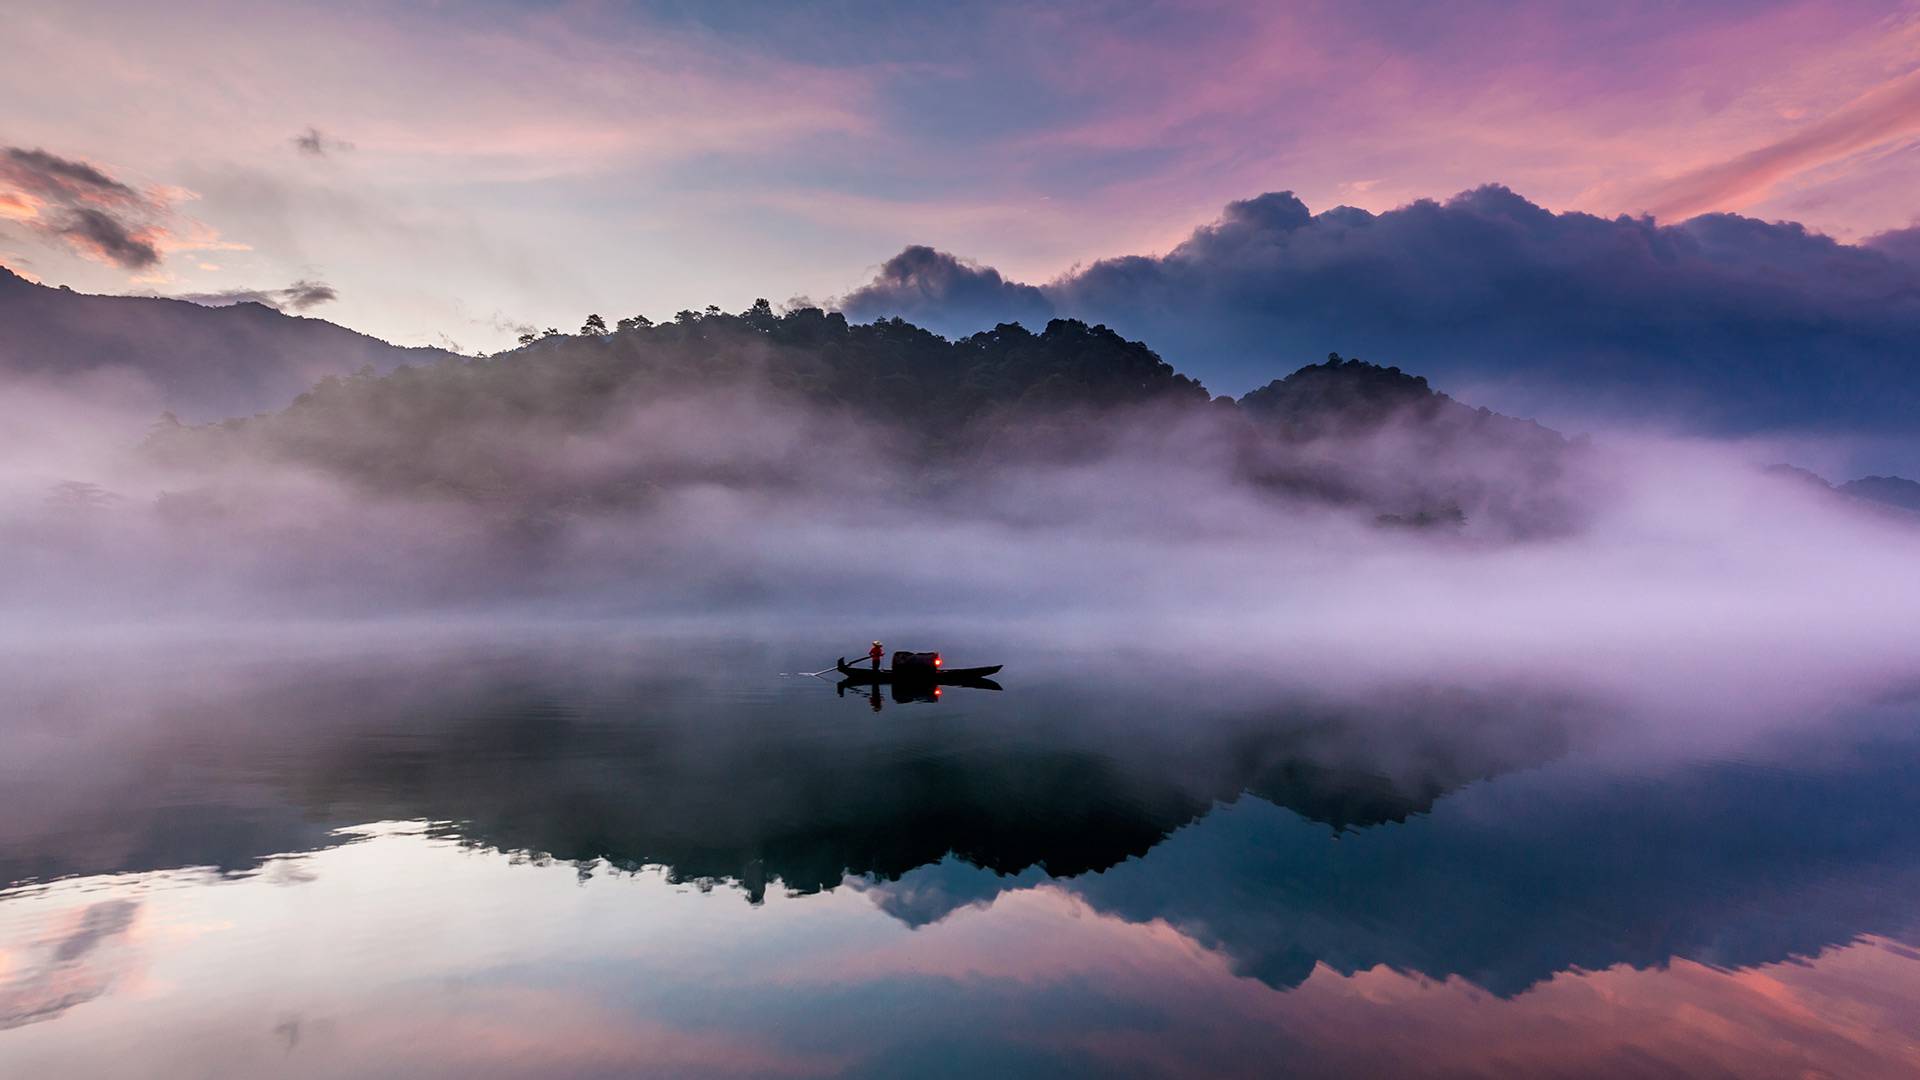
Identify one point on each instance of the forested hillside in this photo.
(765, 400)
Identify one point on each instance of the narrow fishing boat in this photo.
(918, 668)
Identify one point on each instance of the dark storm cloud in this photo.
(299, 296)
(1722, 322)
(97, 215)
(100, 233)
(316, 143)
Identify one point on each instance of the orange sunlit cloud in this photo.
(18, 206)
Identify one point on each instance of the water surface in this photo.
(587, 857)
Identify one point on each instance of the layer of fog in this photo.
(1693, 582)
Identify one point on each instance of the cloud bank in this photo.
(1722, 323)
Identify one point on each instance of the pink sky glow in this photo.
(479, 169)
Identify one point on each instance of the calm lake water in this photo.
(581, 858)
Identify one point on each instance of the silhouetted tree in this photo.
(593, 327)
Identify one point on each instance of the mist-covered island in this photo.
(696, 462)
(866, 540)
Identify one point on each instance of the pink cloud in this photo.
(1886, 113)
(19, 206)
(1577, 113)
(537, 94)
(79, 204)
(536, 142)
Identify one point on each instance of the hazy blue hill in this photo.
(1891, 490)
(1382, 437)
(1894, 496)
(1347, 397)
(201, 362)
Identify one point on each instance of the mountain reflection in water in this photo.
(512, 861)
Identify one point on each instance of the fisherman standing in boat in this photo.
(874, 654)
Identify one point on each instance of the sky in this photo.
(454, 174)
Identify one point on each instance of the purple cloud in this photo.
(1723, 322)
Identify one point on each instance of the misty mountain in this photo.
(1893, 496)
(1356, 432)
(791, 401)
(1891, 490)
(200, 362)
(1721, 323)
(1343, 396)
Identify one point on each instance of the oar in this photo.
(814, 674)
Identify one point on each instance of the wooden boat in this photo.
(936, 676)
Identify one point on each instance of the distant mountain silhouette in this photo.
(1385, 438)
(1344, 396)
(1891, 490)
(202, 363)
(1895, 496)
